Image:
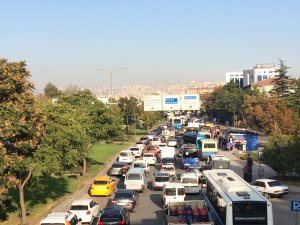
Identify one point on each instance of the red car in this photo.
(152, 149)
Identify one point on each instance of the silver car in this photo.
(117, 169)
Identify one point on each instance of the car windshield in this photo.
(79, 207)
(102, 182)
(133, 176)
(110, 218)
(168, 168)
(274, 183)
(123, 195)
(161, 179)
(187, 180)
(124, 154)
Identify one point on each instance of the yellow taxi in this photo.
(208, 124)
(103, 185)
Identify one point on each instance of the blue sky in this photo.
(159, 41)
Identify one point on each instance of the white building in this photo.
(236, 77)
(258, 73)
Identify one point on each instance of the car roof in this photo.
(172, 185)
(189, 175)
(82, 201)
(57, 217)
(135, 170)
(104, 178)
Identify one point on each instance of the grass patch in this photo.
(46, 192)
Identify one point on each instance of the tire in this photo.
(267, 196)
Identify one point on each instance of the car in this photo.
(142, 164)
(140, 144)
(137, 151)
(167, 161)
(61, 218)
(156, 141)
(103, 185)
(162, 145)
(126, 156)
(270, 188)
(150, 158)
(172, 142)
(168, 169)
(85, 209)
(159, 180)
(208, 124)
(114, 216)
(152, 149)
(118, 169)
(195, 169)
(144, 139)
(126, 198)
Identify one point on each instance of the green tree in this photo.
(52, 91)
(293, 100)
(130, 108)
(21, 127)
(282, 82)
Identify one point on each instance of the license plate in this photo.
(122, 203)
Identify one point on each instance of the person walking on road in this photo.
(249, 167)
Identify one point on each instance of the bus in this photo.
(208, 147)
(232, 201)
(193, 138)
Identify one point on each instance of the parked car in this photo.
(126, 156)
(270, 188)
(114, 216)
(126, 198)
(152, 149)
(168, 169)
(117, 169)
(61, 218)
(150, 158)
(85, 209)
(103, 185)
(159, 180)
(142, 164)
(137, 151)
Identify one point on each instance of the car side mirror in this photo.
(79, 219)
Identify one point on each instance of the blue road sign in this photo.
(171, 100)
(190, 97)
(295, 206)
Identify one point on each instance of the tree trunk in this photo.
(83, 166)
(22, 204)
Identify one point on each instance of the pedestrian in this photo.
(250, 162)
(245, 170)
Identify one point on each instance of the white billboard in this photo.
(171, 102)
(190, 102)
(152, 103)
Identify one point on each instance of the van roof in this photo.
(173, 185)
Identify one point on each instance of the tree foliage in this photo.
(21, 127)
(270, 113)
(130, 108)
(293, 100)
(52, 91)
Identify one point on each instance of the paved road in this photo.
(149, 211)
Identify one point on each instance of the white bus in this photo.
(232, 201)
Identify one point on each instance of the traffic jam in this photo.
(168, 160)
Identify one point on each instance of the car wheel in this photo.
(267, 196)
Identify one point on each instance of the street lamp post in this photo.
(111, 72)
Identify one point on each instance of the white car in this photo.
(190, 181)
(162, 145)
(61, 218)
(172, 142)
(150, 158)
(168, 169)
(126, 156)
(85, 209)
(137, 151)
(156, 141)
(269, 187)
(142, 164)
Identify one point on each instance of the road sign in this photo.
(171, 102)
(190, 102)
(152, 103)
(295, 206)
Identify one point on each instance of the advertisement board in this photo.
(190, 102)
(171, 102)
(152, 103)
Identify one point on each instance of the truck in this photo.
(188, 212)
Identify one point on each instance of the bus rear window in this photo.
(249, 213)
(210, 145)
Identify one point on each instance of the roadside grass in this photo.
(47, 192)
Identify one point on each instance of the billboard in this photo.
(190, 102)
(152, 103)
(171, 102)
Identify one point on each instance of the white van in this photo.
(167, 152)
(135, 179)
(173, 192)
(61, 218)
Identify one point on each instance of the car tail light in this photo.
(88, 212)
(113, 201)
(131, 201)
(121, 222)
(277, 191)
(100, 223)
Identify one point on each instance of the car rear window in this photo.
(161, 179)
(79, 207)
(123, 195)
(117, 165)
(124, 154)
(148, 156)
(134, 149)
(133, 176)
(167, 160)
(110, 218)
(100, 182)
(274, 183)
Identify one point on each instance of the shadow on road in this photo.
(160, 216)
(156, 199)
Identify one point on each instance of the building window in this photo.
(265, 77)
(231, 79)
(259, 78)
